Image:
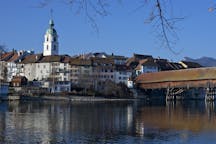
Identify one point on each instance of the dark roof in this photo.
(122, 68)
(164, 64)
(100, 54)
(191, 64)
(116, 57)
(39, 58)
(80, 62)
(175, 66)
(140, 56)
(101, 61)
(52, 58)
(32, 58)
(19, 78)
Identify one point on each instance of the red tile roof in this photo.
(6, 56)
(14, 57)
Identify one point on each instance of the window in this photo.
(47, 39)
(47, 47)
(54, 39)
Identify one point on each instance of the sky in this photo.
(123, 32)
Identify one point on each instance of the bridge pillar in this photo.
(210, 94)
(175, 94)
(169, 94)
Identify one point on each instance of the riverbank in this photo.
(69, 98)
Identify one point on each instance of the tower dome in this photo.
(51, 29)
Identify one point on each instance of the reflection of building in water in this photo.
(101, 118)
(22, 123)
(129, 116)
(189, 116)
(51, 122)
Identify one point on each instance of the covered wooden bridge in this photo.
(180, 79)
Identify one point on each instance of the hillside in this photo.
(204, 61)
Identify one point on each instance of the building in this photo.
(122, 74)
(81, 72)
(103, 70)
(18, 81)
(50, 45)
(165, 65)
(12, 58)
(146, 66)
(133, 62)
(27, 67)
(53, 70)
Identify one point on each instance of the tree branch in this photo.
(165, 26)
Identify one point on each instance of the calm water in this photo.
(108, 122)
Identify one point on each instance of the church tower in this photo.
(50, 46)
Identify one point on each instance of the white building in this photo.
(50, 46)
(122, 74)
(12, 68)
(11, 59)
(52, 70)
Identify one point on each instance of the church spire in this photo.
(51, 22)
(50, 40)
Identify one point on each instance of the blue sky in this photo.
(123, 32)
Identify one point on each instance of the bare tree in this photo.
(91, 9)
(159, 17)
(212, 8)
(164, 22)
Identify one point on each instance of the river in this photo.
(108, 122)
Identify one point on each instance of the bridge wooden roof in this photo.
(178, 75)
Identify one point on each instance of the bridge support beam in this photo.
(169, 94)
(210, 94)
(175, 94)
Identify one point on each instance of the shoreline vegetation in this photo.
(106, 93)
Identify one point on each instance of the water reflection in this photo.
(107, 122)
(58, 122)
